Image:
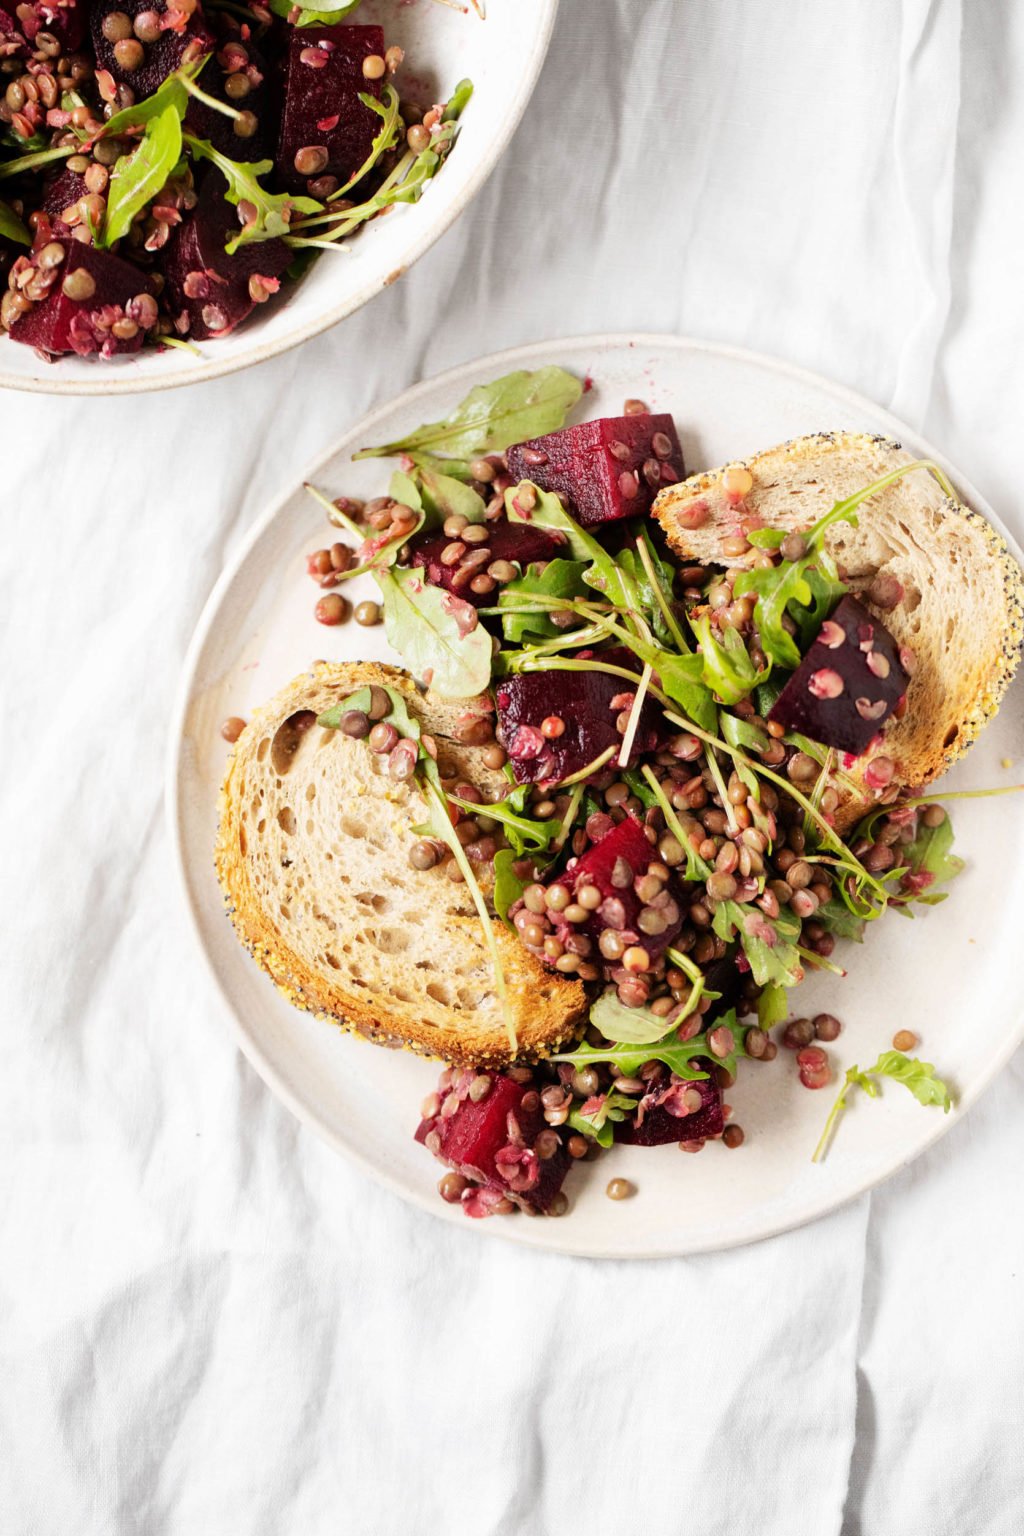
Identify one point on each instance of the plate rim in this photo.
(526, 1233)
(205, 373)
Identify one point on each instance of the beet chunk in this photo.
(847, 685)
(208, 290)
(588, 704)
(121, 295)
(658, 1124)
(516, 542)
(188, 39)
(323, 81)
(602, 865)
(605, 469)
(235, 59)
(62, 193)
(492, 1142)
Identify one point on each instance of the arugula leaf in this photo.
(273, 209)
(835, 916)
(727, 668)
(444, 496)
(917, 1076)
(507, 885)
(389, 111)
(628, 1026)
(140, 176)
(678, 1055)
(599, 1125)
(742, 733)
(778, 962)
(525, 834)
(169, 93)
(324, 14)
(421, 622)
(494, 416)
(928, 856)
(807, 588)
(398, 715)
(652, 579)
(772, 1005)
(11, 227)
(559, 579)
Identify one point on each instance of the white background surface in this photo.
(209, 1323)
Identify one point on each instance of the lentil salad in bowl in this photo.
(610, 835)
(188, 190)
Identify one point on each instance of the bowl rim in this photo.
(110, 383)
(524, 1234)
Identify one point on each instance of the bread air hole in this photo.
(440, 992)
(262, 750)
(390, 941)
(951, 736)
(286, 820)
(287, 739)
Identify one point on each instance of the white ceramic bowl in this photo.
(946, 975)
(445, 42)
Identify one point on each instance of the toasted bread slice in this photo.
(313, 856)
(961, 612)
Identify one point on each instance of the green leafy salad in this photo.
(698, 796)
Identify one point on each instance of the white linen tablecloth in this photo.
(210, 1324)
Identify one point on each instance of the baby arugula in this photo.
(11, 227)
(918, 1076)
(804, 590)
(490, 419)
(680, 1056)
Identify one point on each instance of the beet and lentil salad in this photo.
(681, 830)
(166, 167)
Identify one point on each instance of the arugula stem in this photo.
(41, 157)
(472, 884)
(337, 516)
(819, 961)
(666, 612)
(571, 809)
(208, 100)
(629, 735)
(723, 793)
(818, 1155)
(962, 794)
(585, 772)
(674, 825)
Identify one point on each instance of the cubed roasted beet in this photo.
(62, 193)
(587, 703)
(517, 542)
(208, 291)
(244, 64)
(121, 295)
(188, 39)
(658, 1125)
(848, 684)
(492, 1141)
(605, 469)
(603, 866)
(322, 84)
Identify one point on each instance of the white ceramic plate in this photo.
(445, 41)
(943, 975)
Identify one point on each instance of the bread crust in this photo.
(955, 690)
(548, 1011)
